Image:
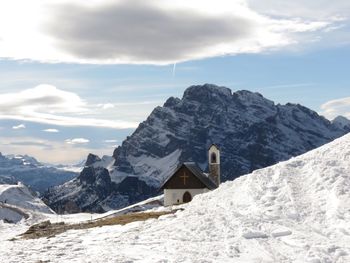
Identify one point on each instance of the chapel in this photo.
(189, 180)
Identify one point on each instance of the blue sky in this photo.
(61, 99)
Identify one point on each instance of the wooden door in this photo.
(186, 197)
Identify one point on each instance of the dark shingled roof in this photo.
(196, 171)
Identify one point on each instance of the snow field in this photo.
(295, 211)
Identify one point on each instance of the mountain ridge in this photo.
(34, 174)
(251, 131)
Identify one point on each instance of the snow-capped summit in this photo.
(341, 122)
(92, 158)
(206, 92)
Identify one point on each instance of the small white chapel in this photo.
(189, 180)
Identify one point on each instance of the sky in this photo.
(79, 76)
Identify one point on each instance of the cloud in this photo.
(311, 9)
(77, 141)
(47, 104)
(51, 130)
(106, 106)
(334, 108)
(154, 32)
(18, 127)
(110, 141)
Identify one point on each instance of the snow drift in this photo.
(295, 211)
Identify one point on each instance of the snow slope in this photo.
(295, 211)
(17, 202)
(19, 195)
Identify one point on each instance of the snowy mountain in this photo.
(294, 211)
(94, 191)
(26, 169)
(17, 202)
(76, 168)
(342, 122)
(251, 131)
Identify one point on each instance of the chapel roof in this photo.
(196, 171)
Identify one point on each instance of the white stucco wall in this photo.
(174, 196)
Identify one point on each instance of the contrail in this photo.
(174, 69)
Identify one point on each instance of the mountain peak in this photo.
(91, 159)
(206, 91)
(247, 97)
(341, 121)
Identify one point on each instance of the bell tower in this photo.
(214, 163)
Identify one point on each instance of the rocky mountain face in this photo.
(39, 177)
(251, 131)
(93, 190)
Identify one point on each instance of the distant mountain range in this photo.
(251, 131)
(38, 176)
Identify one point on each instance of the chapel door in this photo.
(186, 197)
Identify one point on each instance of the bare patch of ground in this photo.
(47, 229)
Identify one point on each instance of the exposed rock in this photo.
(91, 159)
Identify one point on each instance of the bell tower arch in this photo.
(214, 163)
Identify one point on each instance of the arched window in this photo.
(213, 158)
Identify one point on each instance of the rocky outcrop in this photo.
(91, 159)
(94, 191)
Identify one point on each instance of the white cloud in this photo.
(310, 9)
(77, 141)
(47, 104)
(157, 32)
(110, 141)
(51, 130)
(334, 108)
(18, 127)
(106, 106)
